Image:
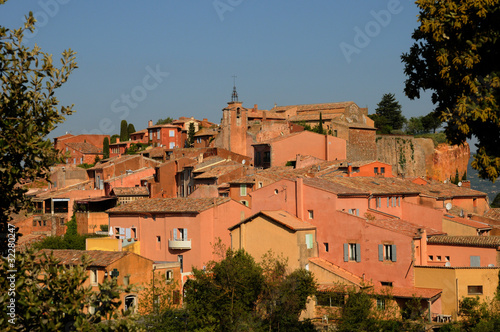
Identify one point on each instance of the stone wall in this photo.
(361, 144)
(417, 157)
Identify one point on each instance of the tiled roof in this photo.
(207, 162)
(218, 171)
(282, 217)
(143, 131)
(440, 190)
(337, 270)
(314, 107)
(85, 148)
(466, 241)
(280, 138)
(131, 191)
(169, 205)
(467, 222)
(332, 187)
(156, 152)
(164, 126)
(493, 214)
(407, 292)
(98, 258)
(313, 117)
(375, 186)
(206, 132)
(403, 227)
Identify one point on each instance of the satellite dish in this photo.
(445, 181)
(460, 184)
(243, 161)
(448, 206)
(447, 264)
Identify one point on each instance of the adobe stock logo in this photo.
(222, 6)
(372, 29)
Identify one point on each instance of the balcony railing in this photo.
(179, 244)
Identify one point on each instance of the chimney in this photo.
(423, 247)
(349, 169)
(466, 184)
(327, 149)
(255, 107)
(299, 192)
(150, 123)
(200, 158)
(118, 140)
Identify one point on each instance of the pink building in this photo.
(177, 229)
(280, 150)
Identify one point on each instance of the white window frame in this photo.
(243, 190)
(94, 277)
(171, 133)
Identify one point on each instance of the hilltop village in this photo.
(353, 207)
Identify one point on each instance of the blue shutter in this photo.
(346, 252)
(381, 252)
(394, 256)
(357, 212)
(358, 252)
(175, 234)
(475, 261)
(185, 234)
(127, 233)
(388, 201)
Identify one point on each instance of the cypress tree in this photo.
(123, 131)
(105, 148)
(130, 129)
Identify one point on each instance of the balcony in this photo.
(179, 244)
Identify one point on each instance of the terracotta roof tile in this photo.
(493, 214)
(218, 171)
(206, 132)
(467, 222)
(466, 241)
(375, 186)
(332, 187)
(85, 148)
(169, 205)
(403, 227)
(98, 258)
(407, 292)
(131, 191)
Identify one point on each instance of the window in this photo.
(438, 258)
(431, 258)
(157, 133)
(171, 133)
(34, 223)
(386, 283)
(380, 303)
(378, 201)
(260, 185)
(180, 259)
(382, 170)
(130, 302)
(387, 252)
(134, 232)
(311, 214)
(94, 281)
(244, 202)
(158, 242)
(447, 258)
(267, 157)
(375, 170)
(171, 145)
(326, 246)
(352, 252)
(330, 299)
(150, 135)
(243, 189)
(126, 280)
(198, 140)
(309, 241)
(474, 290)
(169, 275)
(45, 222)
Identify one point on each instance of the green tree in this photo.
(29, 112)
(123, 131)
(105, 148)
(455, 55)
(114, 137)
(130, 129)
(414, 126)
(431, 122)
(388, 114)
(319, 128)
(164, 121)
(52, 297)
(190, 137)
(496, 201)
(223, 297)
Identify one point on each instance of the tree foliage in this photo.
(190, 136)
(29, 111)
(164, 121)
(456, 56)
(124, 131)
(130, 129)
(105, 148)
(388, 115)
(52, 297)
(238, 294)
(496, 201)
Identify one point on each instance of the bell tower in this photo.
(234, 124)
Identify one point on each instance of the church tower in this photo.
(234, 126)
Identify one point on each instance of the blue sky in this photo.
(145, 60)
